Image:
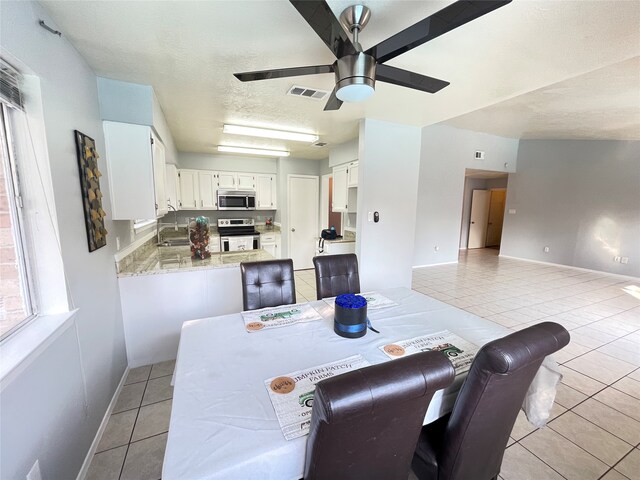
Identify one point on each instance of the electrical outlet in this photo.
(545, 249)
(624, 260)
(512, 211)
(436, 248)
(34, 473)
(616, 258)
(479, 155)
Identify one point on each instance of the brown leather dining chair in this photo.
(336, 274)
(365, 423)
(267, 284)
(470, 443)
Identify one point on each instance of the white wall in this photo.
(344, 152)
(446, 153)
(228, 163)
(579, 197)
(43, 413)
(389, 162)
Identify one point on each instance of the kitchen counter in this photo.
(265, 229)
(171, 259)
(348, 236)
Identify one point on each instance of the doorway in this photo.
(302, 203)
(483, 209)
(328, 217)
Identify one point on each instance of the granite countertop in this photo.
(347, 237)
(178, 259)
(265, 229)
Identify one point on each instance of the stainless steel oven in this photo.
(238, 234)
(236, 200)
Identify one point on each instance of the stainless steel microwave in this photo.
(236, 200)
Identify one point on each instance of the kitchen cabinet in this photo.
(207, 187)
(189, 190)
(270, 242)
(246, 181)
(352, 174)
(266, 192)
(227, 180)
(171, 185)
(340, 179)
(159, 167)
(136, 166)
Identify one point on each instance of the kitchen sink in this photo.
(174, 242)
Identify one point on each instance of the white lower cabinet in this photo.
(270, 243)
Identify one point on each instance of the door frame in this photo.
(324, 201)
(291, 176)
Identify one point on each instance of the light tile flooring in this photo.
(132, 445)
(595, 430)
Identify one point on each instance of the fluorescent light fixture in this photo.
(267, 133)
(253, 151)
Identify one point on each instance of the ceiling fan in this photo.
(356, 71)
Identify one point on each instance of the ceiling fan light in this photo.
(354, 92)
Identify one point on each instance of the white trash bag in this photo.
(542, 392)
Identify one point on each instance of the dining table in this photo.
(223, 424)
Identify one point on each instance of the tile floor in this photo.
(595, 430)
(132, 445)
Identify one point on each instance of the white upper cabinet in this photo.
(266, 192)
(208, 185)
(171, 185)
(352, 174)
(227, 181)
(189, 192)
(136, 171)
(340, 179)
(159, 174)
(246, 181)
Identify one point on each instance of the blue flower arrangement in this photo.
(351, 300)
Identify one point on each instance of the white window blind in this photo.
(10, 82)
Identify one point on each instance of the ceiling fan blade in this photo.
(283, 72)
(404, 78)
(334, 103)
(433, 26)
(320, 17)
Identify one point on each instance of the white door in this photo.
(208, 184)
(479, 217)
(302, 201)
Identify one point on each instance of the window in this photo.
(16, 299)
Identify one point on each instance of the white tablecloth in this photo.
(223, 425)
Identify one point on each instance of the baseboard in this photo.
(625, 277)
(103, 425)
(434, 264)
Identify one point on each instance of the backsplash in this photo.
(183, 215)
(142, 251)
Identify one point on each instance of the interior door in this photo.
(479, 218)
(303, 203)
(496, 217)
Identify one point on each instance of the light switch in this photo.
(512, 211)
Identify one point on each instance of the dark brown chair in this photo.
(336, 274)
(267, 284)
(365, 423)
(469, 444)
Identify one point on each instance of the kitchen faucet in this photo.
(175, 216)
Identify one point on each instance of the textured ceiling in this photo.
(188, 52)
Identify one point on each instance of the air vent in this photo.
(319, 144)
(298, 91)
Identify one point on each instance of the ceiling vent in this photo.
(319, 144)
(298, 91)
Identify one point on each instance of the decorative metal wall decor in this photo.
(90, 188)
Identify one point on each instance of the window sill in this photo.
(20, 349)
